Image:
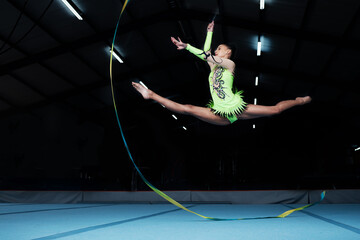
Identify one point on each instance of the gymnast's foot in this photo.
(146, 93)
(304, 100)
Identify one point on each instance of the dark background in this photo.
(58, 129)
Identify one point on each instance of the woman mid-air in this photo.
(226, 106)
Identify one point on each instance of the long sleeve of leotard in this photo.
(206, 56)
(201, 53)
(197, 52)
(207, 44)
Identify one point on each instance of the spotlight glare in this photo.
(253, 126)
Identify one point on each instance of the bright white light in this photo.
(262, 4)
(162, 105)
(72, 9)
(174, 117)
(253, 126)
(184, 128)
(116, 56)
(357, 149)
(255, 101)
(256, 81)
(259, 49)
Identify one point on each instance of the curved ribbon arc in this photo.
(160, 193)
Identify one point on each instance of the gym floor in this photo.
(165, 221)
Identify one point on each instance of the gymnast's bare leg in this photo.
(256, 111)
(201, 113)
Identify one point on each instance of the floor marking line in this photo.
(96, 227)
(55, 209)
(333, 222)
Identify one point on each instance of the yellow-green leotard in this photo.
(226, 101)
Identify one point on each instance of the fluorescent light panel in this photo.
(262, 4)
(117, 56)
(259, 48)
(72, 9)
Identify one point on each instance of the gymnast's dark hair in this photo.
(232, 47)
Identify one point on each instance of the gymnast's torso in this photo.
(225, 101)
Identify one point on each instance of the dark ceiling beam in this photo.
(17, 109)
(32, 88)
(11, 105)
(10, 67)
(42, 94)
(83, 42)
(40, 25)
(298, 42)
(333, 55)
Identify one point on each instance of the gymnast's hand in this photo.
(210, 27)
(180, 45)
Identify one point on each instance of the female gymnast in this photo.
(226, 106)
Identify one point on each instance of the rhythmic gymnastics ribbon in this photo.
(160, 193)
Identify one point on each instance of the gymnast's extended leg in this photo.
(201, 113)
(256, 111)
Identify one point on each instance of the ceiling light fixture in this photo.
(259, 48)
(262, 4)
(357, 149)
(255, 101)
(174, 117)
(256, 81)
(72, 9)
(184, 128)
(116, 56)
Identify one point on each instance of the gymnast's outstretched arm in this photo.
(206, 56)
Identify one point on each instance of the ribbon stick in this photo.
(160, 193)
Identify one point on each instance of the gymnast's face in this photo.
(223, 51)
